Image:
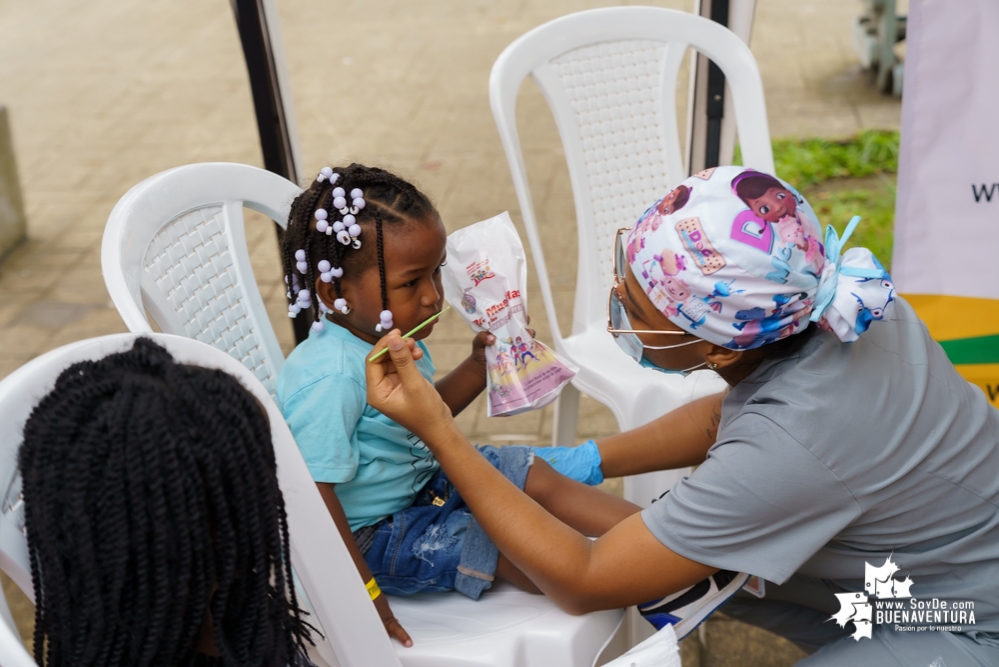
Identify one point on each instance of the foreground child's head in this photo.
(151, 505)
(365, 247)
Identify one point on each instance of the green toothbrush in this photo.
(410, 334)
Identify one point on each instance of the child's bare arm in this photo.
(460, 387)
(392, 625)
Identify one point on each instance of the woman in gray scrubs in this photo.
(851, 469)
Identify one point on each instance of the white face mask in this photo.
(632, 345)
(645, 363)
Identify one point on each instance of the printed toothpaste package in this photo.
(485, 279)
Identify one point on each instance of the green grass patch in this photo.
(843, 178)
(805, 162)
(874, 204)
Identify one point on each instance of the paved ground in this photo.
(104, 93)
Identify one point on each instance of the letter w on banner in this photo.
(946, 259)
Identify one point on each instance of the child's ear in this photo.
(326, 292)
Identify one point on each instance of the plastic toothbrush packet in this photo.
(485, 279)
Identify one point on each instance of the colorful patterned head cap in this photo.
(734, 256)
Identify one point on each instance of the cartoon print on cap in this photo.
(673, 296)
(792, 233)
(662, 266)
(695, 242)
(758, 328)
(865, 314)
(668, 294)
(769, 201)
(652, 219)
(765, 195)
(674, 201)
(736, 257)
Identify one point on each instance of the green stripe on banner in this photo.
(981, 350)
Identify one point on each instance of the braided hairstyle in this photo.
(151, 501)
(388, 200)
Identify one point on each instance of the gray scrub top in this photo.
(846, 453)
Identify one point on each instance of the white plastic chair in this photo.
(505, 628)
(609, 76)
(12, 651)
(175, 246)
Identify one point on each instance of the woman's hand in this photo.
(398, 390)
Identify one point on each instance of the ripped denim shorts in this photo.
(436, 544)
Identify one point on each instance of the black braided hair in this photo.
(389, 200)
(151, 501)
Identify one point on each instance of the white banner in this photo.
(946, 258)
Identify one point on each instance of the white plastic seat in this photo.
(12, 651)
(609, 76)
(505, 627)
(175, 247)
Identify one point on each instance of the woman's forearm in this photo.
(678, 439)
(579, 574)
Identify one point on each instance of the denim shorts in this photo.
(436, 544)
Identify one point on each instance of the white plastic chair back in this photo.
(12, 651)
(506, 628)
(609, 76)
(175, 247)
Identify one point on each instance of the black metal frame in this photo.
(716, 95)
(272, 123)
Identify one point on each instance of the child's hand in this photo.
(482, 340)
(392, 624)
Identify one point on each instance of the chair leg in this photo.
(565, 418)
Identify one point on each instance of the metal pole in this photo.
(260, 35)
(710, 120)
(715, 107)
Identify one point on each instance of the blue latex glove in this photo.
(580, 463)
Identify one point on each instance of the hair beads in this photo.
(322, 223)
(325, 228)
(385, 323)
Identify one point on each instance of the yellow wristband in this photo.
(373, 589)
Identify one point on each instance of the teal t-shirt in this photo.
(377, 465)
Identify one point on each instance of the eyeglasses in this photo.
(617, 315)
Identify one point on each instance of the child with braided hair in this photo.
(156, 529)
(365, 247)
